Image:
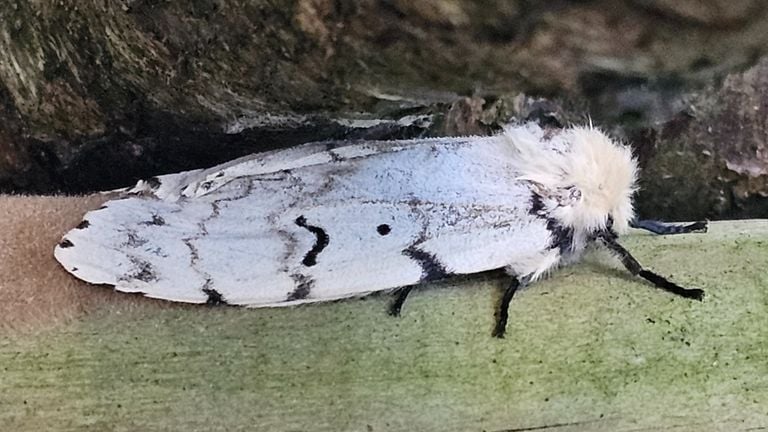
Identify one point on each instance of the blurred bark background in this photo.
(97, 94)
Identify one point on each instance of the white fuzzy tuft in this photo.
(583, 175)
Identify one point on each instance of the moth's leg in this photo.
(634, 267)
(503, 312)
(400, 295)
(658, 227)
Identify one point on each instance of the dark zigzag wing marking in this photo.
(321, 242)
(432, 269)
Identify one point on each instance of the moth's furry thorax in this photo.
(584, 177)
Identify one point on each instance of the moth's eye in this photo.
(609, 222)
(383, 229)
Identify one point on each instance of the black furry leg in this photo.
(657, 227)
(634, 267)
(503, 312)
(397, 304)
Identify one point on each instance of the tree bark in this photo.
(711, 159)
(98, 94)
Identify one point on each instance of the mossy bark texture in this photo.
(98, 94)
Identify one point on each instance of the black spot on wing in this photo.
(322, 240)
(214, 297)
(83, 225)
(66, 244)
(304, 286)
(383, 229)
(431, 268)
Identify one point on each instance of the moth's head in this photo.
(583, 177)
(604, 173)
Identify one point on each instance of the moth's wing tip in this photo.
(70, 256)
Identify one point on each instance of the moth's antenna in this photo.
(608, 238)
(657, 227)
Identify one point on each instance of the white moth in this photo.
(332, 220)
